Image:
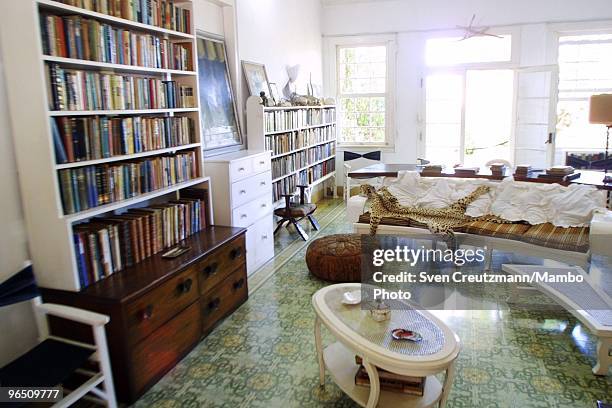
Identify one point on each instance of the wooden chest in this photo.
(160, 309)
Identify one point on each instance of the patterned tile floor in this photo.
(263, 355)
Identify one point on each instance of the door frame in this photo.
(552, 108)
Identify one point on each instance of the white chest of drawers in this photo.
(241, 185)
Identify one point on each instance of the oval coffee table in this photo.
(358, 334)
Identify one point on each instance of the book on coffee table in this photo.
(392, 382)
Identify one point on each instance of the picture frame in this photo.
(220, 127)
(256, 78)
(274, 93)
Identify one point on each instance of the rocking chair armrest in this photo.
(74, 314)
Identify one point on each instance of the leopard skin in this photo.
(439, 221)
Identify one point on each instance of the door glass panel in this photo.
(533, 116)
(444, 101)
(488, 115)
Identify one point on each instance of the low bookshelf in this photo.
(302, 140)
(104, 106)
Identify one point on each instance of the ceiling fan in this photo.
(471, 30)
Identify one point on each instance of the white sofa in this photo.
(567, 224)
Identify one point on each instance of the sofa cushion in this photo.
(574, 239)
(497, 230)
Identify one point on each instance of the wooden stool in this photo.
(294, 213)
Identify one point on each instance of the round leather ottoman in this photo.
(335, 258)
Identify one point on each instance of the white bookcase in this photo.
(302, 140)
(50, 230)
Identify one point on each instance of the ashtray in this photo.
(351, 298)
(405, 334)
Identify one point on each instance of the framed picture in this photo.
(256, 77)
(274, 93)
(220, 127)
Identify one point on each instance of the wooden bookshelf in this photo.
(308, 150)
(50, 228)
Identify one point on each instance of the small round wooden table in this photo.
(358, 334)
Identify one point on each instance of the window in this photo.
(456, 51)
(585, 69)
(468, 100)
(362, 84)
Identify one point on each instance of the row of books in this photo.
(92, 186)
(284, 186)
(159, 13)
(74, 90)
(281, 143)
(390, 381)
(109, 244)
(290, 163)
(312, 174)
(99, 137)
(307, 176)
(87, 39)
(280, 120)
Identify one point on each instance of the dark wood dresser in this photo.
(160, 309)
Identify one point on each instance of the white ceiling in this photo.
(332, 2)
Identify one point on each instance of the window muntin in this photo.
(362, 94)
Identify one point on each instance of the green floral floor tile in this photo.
(263, 355)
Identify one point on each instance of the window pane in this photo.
(453, 51)
(362, 83)
(444, 99)
(362, 120)
(362, 69)
(585, 68)
(488, 115)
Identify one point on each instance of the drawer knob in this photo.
(239, 284)
(211, 269)
(147, 313)
(262, 162)
(243, 216)
(243, 192)
(241, 169)
(185, 287)
(214, 304)
(263, 183)
(235, 253)
(264, 205)
(264, 237)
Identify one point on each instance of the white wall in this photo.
(17, 321)
(281, 33)
(414, 21)
(399, 15)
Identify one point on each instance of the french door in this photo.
(536, 116)
(476, 115)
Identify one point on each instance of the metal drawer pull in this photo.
(242, 191)
(262, 162)
(235, 253)
(210, 269)
(264, 205)
(263, 183)
(185, 287)
(147, 313)
(214, 304)
(241, 169)
(264, 237)
(239, 284)
(243, 216)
